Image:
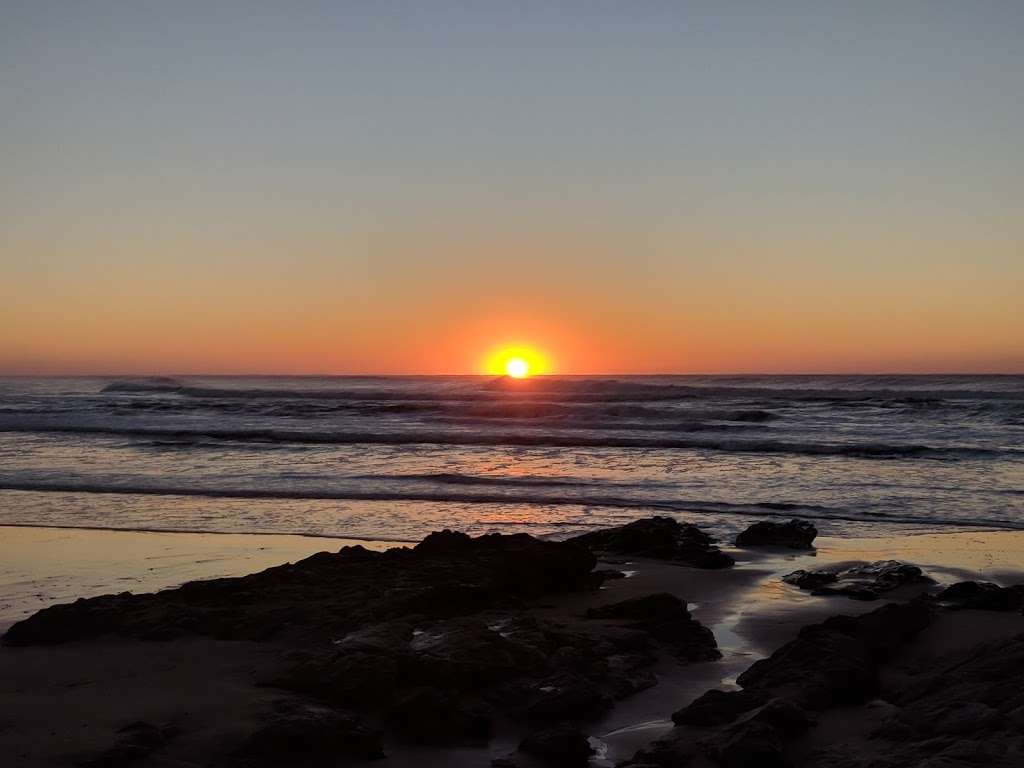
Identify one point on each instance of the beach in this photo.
(68, 700)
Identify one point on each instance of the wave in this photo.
(205, 531)
(521, 438)
(671, 506)
(836, 389)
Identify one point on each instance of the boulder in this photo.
(560, 747)
(135, 742)
(357, 681)
(982, 595)
(835, 663)
(795, 534)
(658, 537)
(718, 707)
(665, 618)
(750, 744)
(438, 716)
(862, 582)
(565, 698)
(297, 732)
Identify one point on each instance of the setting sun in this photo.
(516, 361)
(517, 368)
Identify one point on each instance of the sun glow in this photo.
(517, 368)
(516, 362)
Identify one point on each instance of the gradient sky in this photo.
(401, 187)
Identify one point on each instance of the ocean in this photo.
(393, 458)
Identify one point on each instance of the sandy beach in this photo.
(60, 702)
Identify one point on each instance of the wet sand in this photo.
(40, 567)
(63, 701)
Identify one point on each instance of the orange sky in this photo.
(796, 188)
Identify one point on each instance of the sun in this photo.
(517, 361)
(517, 368)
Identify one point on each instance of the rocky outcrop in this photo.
(862, 582)
(330, 594)
(665, 618)
(562, 746)
(835, 663)
(982, 596)
(828, 665)
(135, 742)
(431, 643)
(795, 534)
(298, 732)
(964, 710)
(658, 537)
(718, 707)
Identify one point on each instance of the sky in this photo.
(406, 187)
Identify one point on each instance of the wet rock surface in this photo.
(432, 645)
(795, 534)
(134, 743)
(298, 732)
(982, 596)
(862, 582)
(828, 665)
(658, 537)
(665, 618)
(330, 594)
(966, 710)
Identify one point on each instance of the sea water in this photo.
(394, 458)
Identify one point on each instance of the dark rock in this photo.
(783, 715)
(795, 534)
(439, 716)
(562, 746)
(862, 582)
(304, 732)
(749, 744)
(329, 595)
(357, 681)
(137, 741)
(466, 654)
(610, 574)
(835, 663)
(658, 537)
(566, 698)
(810, 580)
(982, 595)
(718, 707)
(665, 618)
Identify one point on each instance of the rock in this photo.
(718, 707)
(658, 537)
(137, 741)
(565, 698)
(982, 595)
(795, 534)
(561, 747)
(330, 595)
(750, 744)
(299, 732)
(862, 582)
(439, 716)
(467, 654)
(810, 580)
(358, 681)
(665, 618)
(835, 663)
(783, 715)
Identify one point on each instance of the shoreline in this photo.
(42, 566)
(749, 610)
(45, 565)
